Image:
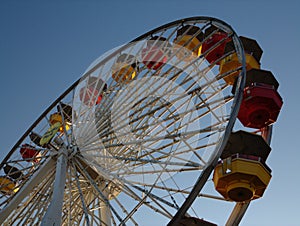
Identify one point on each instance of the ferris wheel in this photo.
(138, 136)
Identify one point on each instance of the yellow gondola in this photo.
(241, 179)
(253, 54)
(124, 69)
(7, 185)
(242, 174)
(56, 117)
(188, 42)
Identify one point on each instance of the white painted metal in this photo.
(54, 212)
(26, 189)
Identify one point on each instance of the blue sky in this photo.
(46, 45)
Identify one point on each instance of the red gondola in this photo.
(155, 55)
(29, 153)
(261, 102)
(214, 36)
(260, 106)
(91, 94)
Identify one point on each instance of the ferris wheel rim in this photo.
(73, 86)
(68, 90)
